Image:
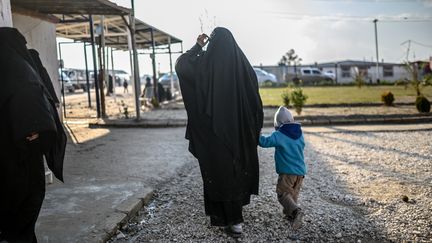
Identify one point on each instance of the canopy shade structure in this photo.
(75, 27)
(115, 26)
(96, 7)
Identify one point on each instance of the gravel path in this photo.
(353, 192)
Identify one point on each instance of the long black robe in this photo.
(25, 108)
(55, 155)
(220, 93)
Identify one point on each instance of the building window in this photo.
(388, 71)
(346, 71)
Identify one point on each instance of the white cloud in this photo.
(427, 3)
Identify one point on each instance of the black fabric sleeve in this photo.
(195, 50)
(29, 112)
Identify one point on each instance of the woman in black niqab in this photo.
(29, 129)
(220, 93)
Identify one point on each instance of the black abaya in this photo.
(26, 108)
(220, 92)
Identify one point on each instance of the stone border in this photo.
(268, 121)
(123, 213)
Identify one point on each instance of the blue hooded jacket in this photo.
(289, 143)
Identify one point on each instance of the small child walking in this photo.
(289, 160)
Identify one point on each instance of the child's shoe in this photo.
(298, 219)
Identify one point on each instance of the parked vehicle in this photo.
(264, 76)
(312, 75)
(165, 80)
(78, 78)
(330, 74)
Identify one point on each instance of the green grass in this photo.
(345, 94)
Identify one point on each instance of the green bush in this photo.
(286, 98)
(298, 99)
(386, 82)
(125, 109)
(388, 98)
(422, 104)
(268, 84)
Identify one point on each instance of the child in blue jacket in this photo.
(289, 160)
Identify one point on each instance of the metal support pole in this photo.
(61, 76)
(95, 73)
(102, 66)
(87, 76)
(376, 45)
(155, 84)
(171, 67)
(113, 76)
(137, 80)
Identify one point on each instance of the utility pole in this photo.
(408, 49)
(376, 46)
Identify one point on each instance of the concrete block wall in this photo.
(5, 14)
(41, 35)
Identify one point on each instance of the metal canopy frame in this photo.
(115, 31)
(75, 20)
(85, 7)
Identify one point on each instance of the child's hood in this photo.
(292, 130)
(282, 116)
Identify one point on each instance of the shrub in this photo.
(286, 98)
(388, 98)
(386, 82)
(422, 104)
(125, 109)
(359, 78)
(268, 84)
(155, 102)
(402, 82)
(298, 99)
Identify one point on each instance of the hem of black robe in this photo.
(224, 213)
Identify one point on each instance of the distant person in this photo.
(125, 86)
(161, 93)
(289, 143)
(148, 91)
(225, 116)
(110, 89)
(30, 129)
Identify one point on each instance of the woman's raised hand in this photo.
(202, 40)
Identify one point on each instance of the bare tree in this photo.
(290, 58)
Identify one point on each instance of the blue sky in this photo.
(318, 30)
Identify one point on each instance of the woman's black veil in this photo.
(229, 88)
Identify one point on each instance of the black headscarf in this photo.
(45, 78)
(229, 86)
(26, 102)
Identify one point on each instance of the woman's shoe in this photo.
(235, 230)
